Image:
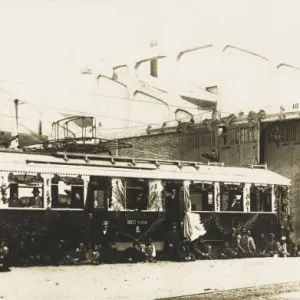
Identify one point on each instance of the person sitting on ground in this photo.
(227, 252)
(293, 251)
(173, 243)
(232, 239)
(262, 246)
(149, 251)
(21, 254)
(93, 256)
(134, 254)
(87, 256)
(297, 254)
(201, 250)
(271, 246)
(61, 255)
(252, 246)
(4, 259)
(34, 249)
(80, 253)
(282, 247)
(185, 251)
(243, 245)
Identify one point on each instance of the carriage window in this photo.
(202, 197)
(25, 190)
(98, 191)
(231, 200)
(67, 192)
(137, 192)
(260, 199)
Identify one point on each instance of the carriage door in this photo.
(173, 207)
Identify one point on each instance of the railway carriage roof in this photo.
(128, 167)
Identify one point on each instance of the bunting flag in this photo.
(155, 195)
(192, 225)
(118, 195)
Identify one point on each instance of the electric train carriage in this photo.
(59, 197)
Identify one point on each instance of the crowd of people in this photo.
(241, 244)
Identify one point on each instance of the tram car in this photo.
(67, 194)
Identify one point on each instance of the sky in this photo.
(46, 42)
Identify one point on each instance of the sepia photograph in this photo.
(149, 149)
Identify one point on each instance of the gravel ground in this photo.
(144, 281)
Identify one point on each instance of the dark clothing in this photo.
(133, 254)
(35, 202)
(232, 241)
(4, 263)
(227, 252)
(201, 250)
(262, 247)
(105, 240)
(21, 256)
(271, 248)
(15, 203)
(173, 213)
(173, 237)
(173, 244)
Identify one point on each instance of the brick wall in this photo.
(165, 146)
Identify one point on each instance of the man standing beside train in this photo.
(106, 244)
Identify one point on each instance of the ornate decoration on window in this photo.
(68, 180)
(155, 195)
(109, 193)
(260, 188)
(25, 178)
(4, 198)
(247, 197)
(205, 187)
(118, 202)
(48, 199)
(217, 193)
(283, 200)
(186, 197)
(282, 194)
(232, 187)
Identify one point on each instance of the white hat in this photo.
(283, 238)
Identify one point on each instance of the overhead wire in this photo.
(103, 95)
